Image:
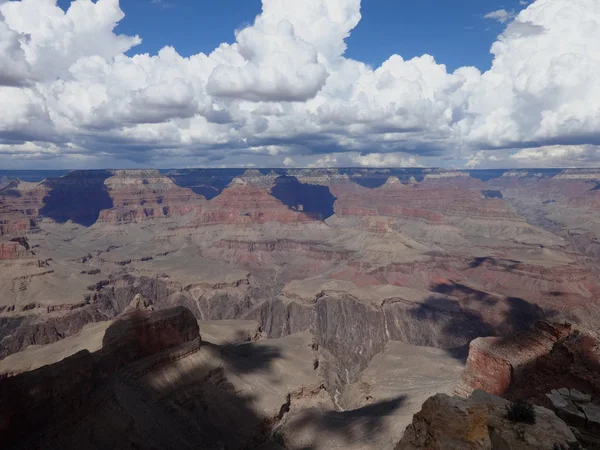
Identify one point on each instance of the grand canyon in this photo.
(299, 308)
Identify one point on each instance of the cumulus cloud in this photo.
(269, 66)
(558, 156)
(284, 91)
(385, 160)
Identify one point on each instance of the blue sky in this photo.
(453, 31)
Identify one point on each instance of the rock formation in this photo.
(480, 423)
(361, 264)
(51, 393)
(530, 364)
(142, 195)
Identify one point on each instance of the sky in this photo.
(453, 31)
(282, 83)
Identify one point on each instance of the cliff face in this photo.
(20, 203)
(154, 384)
(141, 195)
(13, 250)
(495, 364)
(51, 393)
(249, 199)
(530, 364)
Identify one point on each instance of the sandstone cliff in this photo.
(532, 363)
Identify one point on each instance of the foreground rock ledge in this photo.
(52, 392)
(480, 423)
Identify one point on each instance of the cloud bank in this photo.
(284, 94)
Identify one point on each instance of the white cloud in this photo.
(385, 160)
(284, 87)
(558, 156)
(324, 162)
(501, 15)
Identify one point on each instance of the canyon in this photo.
(305, 308)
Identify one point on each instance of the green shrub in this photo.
(521, 412)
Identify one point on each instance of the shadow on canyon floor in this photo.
(465, 293)
(185, 405)
(508, 264)
(461, 321)
(249, 357)
(343, 427)
(309, 198)
(78, 196)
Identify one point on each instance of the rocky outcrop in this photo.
(140, 195)
(20, 203)
(154, 384)
(51, 393)
(398, 200)
(481, 423)
(494, 362)
(14, 225)
(575, 408)
(530, 364)
(20, 197)
(12, 250)
(247, 200)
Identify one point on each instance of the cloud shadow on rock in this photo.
(78, 196)
(344, 427)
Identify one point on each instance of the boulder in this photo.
(592, 415)
(547, 431)
(579, 397)
(566, 409)
(480, 422)
(451, 423)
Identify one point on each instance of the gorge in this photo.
(305, 308)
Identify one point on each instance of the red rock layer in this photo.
(459, 180)
(494, 363)
(426, 201)
(246, 204)
(14, 225)
(530, 364)
(139, 195)
(22, 198)
(11, 250)
(19, 206)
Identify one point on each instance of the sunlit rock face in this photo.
(139, 195)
